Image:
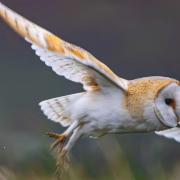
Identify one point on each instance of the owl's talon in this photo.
(60, 140)
(55, 135)
(64, 158)
(63, 162)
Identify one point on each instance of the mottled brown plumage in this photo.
(142, 91)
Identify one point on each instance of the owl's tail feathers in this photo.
(173, 133)
(59, 109)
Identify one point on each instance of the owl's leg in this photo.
(62, 138)
(77, 133)
(63, 151)
(63, 154)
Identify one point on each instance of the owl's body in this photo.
(104, 113)
(113, 111)
(110, 104)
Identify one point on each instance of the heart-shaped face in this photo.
(167, 105)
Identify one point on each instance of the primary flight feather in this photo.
(110, 104)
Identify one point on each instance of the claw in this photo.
(61, 138)
(63, 160)
(62, 163)
(56, 143)
(54, 135)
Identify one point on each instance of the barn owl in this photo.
(109, 104)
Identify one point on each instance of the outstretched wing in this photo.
(65, 59)
(173, 133)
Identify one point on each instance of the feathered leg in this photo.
(64, 144)
(77, 133)
(64, 148)
(62, 138)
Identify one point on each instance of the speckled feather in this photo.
(141, 91)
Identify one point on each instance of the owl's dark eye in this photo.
(169, 101)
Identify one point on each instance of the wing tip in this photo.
(173, 134)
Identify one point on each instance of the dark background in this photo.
(134, 38)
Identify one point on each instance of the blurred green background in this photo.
(135, 38)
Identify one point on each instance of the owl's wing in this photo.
(65, 59)
(173, 133)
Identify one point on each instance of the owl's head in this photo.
(167, 105)
(155, 100)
